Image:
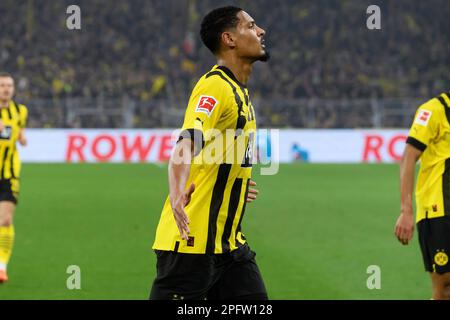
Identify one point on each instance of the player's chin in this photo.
(265, 56)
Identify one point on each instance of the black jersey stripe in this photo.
(416, 143)
(243, 88)
(196, 136)
(13, 152)
(2, 164)
(8, 110)
(446, 187)
(232, 210)
(216, 203)
(252, 110)
(238, 229)
(446, 107)
(16, 106)
(237, 98)
(5, 155)
(230, 74)
(245, 96)
(177, 245)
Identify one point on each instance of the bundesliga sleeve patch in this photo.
(423, 117)
(206, 104)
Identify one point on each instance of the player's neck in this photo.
(241, 69)
(4, 103)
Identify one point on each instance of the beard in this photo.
(265, 57)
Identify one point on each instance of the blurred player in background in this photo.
(201, 251)
(429, 141)
(13, 117)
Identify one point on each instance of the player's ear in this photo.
(228, 39)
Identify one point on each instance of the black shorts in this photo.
(9, 190)
(183, 276)
(434, 238)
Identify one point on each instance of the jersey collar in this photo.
(230, 74)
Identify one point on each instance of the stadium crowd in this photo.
(150, 52)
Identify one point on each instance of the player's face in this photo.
(250, 39)
(6, 88)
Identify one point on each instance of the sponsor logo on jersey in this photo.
(206, 104)
(423, 117)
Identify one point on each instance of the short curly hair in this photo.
(215, 23)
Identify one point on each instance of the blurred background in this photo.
(134, 63)
(107, 97)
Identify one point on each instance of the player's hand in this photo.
(2, 126)
(23, 141)
(252, 193)
(181, 218)
(404, 228)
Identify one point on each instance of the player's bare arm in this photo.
(179, 170)
(22, 138)
(404, 228)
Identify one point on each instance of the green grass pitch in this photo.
(315, 228)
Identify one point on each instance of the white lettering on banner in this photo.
(155, 145)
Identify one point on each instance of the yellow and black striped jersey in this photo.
(13, 119)
(430, 133)
(221, 120)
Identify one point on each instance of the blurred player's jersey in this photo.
(13, 118)
(430, 133)
(218, 103)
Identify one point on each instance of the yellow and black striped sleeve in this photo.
(23, 116)
(426, 124)
(208, 103)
